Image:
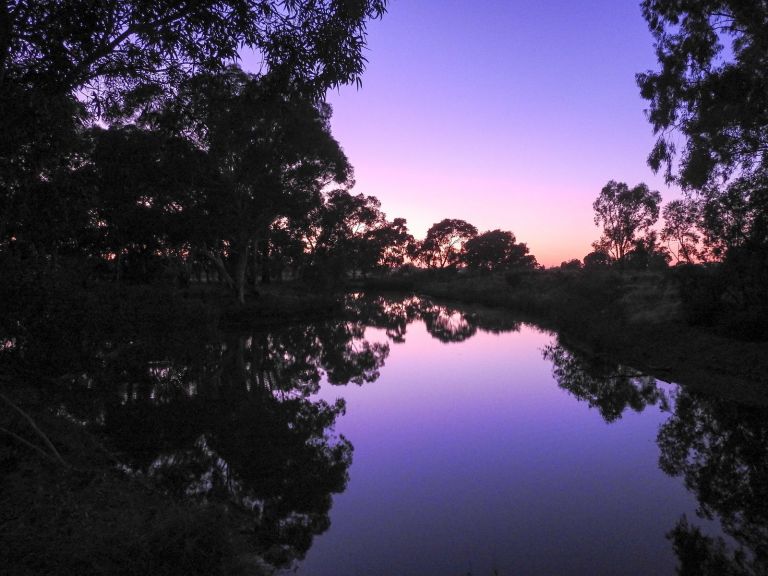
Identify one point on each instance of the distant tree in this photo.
(343, 229)
(390, 243)
(496, 250)
(624, 214)
(597, 260)
(442, 246)
(573, 264)
(647, 254)
(680, 230)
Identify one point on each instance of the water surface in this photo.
(413, 438)
(470, 457)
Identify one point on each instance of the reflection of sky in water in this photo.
(469, 458)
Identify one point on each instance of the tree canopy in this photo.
(442, 245)
(624, 214)
(711, 87)
(496, 250)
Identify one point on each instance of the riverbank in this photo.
(635, 319)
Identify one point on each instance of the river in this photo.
(412, 438)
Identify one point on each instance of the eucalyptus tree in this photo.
(64, 65)
(496, 250)
(342, 236)
(443, 243)
(680, 230)
(273, 151)
(712, 90)
(625, 215)
(711, 87)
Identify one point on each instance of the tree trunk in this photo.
(220, 268)
(265, 275)
(240, 269)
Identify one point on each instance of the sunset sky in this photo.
(509, 114)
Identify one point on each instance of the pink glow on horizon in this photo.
(506, 113)
(510, 115)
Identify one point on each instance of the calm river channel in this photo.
(483, 446)
(406, 437)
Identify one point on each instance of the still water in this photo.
(412, 438)
(471, 457)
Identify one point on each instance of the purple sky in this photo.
(509, 114)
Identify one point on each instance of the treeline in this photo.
(135, 149)
(133, 153)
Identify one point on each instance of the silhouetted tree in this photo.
(496, 250)
(680, 230)
(442, 245)
(624, 213)
(273, 151)
(391, 243)
(573, 264)
(597, 260)
(710, 87)
(647, 254)
(341, 230)
(63, 65)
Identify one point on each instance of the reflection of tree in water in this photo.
(231, 421)
(720, 448)
(448, 325)
(443, 322)
(611, 388)
(389, 314)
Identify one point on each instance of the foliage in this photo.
(113, 49)
(625, 214)
(734, 216)
(647, 254)
(609, 388)
(496, 250)
(710, 87)
(681, 230)
(442, 246)
(166, 67)
(573, 264)
(597, 259)
(719, 449)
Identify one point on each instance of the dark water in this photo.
(412, 438)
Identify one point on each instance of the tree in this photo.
(597, 260)
(391, 243)
(624, 213)
(680, 230)
(64, 65)
(496, 250)
(340, 234)
(110, 49)
(572, 264)
(647, 254)
(442, 245)
(143, 186)
(273, 152)
(711, 88)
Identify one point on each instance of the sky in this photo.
(506, 113)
